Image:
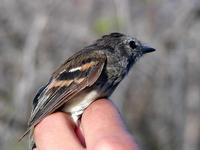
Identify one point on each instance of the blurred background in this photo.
(160, 98)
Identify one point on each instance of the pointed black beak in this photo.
(147, 49)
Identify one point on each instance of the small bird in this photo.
(92, 73)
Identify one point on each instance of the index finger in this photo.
(103, 128)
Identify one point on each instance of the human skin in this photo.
(100, 128)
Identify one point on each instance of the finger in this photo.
(103, 128)
(79, 133)
(56, 132)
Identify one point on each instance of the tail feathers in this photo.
(25, 133)
(32, 144)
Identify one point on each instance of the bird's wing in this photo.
(78, 72)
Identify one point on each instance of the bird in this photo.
(93, 72)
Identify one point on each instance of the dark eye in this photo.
(132, 44)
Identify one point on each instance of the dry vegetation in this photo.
(160, 99)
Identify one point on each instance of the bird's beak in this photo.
(147, 49)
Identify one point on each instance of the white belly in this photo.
(81, 101)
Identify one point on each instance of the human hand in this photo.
(100, 128)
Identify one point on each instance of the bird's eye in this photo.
(132, 44)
